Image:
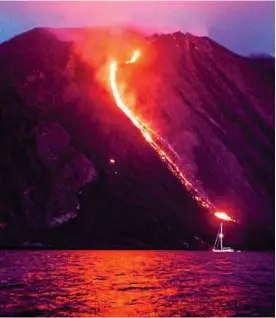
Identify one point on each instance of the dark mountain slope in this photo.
(55, 120)
(217, 109)
(60, 128)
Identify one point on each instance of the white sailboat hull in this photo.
(223, 251)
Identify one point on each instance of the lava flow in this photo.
(164, 151)
(223, 216)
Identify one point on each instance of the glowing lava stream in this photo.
(152, 138)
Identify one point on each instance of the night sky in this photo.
(244, 27)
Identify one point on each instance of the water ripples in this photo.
(136, 283)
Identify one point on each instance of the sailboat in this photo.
(218, 246)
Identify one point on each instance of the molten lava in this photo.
(223, 216)
(165, 152)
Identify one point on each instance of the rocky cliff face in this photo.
(60, 128)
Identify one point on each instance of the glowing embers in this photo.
(112, 163)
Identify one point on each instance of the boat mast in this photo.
(221, 235)
(217, 240)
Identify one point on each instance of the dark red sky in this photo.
(244, 27)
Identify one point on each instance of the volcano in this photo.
(76, 172)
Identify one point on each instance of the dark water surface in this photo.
(136, 283)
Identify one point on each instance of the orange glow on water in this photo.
(164, 151)
(132, 284)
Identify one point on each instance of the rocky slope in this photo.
(217, 110)
(60, 128)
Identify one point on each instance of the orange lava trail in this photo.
(152, 138)
(223, 216)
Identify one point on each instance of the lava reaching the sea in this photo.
(165, 152)
(223, 216)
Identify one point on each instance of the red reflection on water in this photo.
(135, 283)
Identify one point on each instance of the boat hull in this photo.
(223, 251)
